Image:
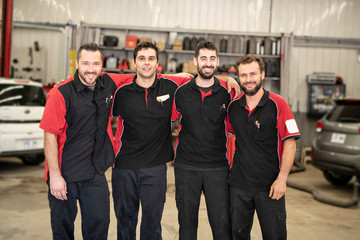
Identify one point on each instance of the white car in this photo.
(22, 104)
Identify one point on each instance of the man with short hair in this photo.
(265, 131)
(201, 164)
(78, 148)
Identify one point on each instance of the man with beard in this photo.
(200, 163)
(265, 131)
(78, 148)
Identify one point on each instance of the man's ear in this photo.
(263, 75)
(195, 61)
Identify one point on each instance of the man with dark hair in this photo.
(143, 145)
(265, 131)
(201, 164)
(78, 148)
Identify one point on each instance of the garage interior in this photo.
(303, 44)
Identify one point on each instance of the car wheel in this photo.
(33, 160)
(336, 179)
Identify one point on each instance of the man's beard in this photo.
(251, 92)
(83, 77)
(204, 75)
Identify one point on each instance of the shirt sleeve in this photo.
(286, 123)
(53, 119)
(229, 128)
(179, 80)
(175, 114)
(120, 79)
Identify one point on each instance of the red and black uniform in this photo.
(79, 116)
(143, 146)
(201, 164)
(260, 134)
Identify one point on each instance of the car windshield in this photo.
(345, 112)
(21, 95)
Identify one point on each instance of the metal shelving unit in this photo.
(168, 35)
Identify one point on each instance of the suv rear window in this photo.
(21, 95)
(345, 111)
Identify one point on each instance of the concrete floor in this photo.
(24, 211)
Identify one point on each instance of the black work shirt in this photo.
(143, 137)
(259, 140)
(80, 118)
(202, 134)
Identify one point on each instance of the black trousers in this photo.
(132, 186)
(94, 201)
(271, 214)
(189, 186)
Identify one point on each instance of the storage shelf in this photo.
(190, 52)
(238, 44)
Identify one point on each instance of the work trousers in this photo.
(271, 214)
(189, 186)
(132, 186)
(94, 201)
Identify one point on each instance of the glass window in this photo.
(346, 112)
(21, 95)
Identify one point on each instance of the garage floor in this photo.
(25, 214)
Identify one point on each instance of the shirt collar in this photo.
(79, 86)
(264, 99)
(138, 87)
(214, 88)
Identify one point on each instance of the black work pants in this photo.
(93, 196)
(189, 186)
(271, 214)
(132, 186)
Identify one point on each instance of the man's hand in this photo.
(278, 188)
(58, 187)
(232, 84)
(57, 83)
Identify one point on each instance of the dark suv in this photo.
(336, 146)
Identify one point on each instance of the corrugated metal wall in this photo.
(327, 18)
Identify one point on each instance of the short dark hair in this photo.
(249, 58)
(204, 44)
(89, 46)
(146, 45)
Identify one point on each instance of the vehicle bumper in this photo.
(340, 163)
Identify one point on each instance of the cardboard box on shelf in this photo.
(189, 67)
(178, 44)
(161, 45)
(145, 39)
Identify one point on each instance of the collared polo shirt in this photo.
(202, 134)
(143, 137)
(259, 140)
(80, 119)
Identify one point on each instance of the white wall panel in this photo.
(335, 18)
(54, 44)
(305, 61)
(331, 18)
(233, 15)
